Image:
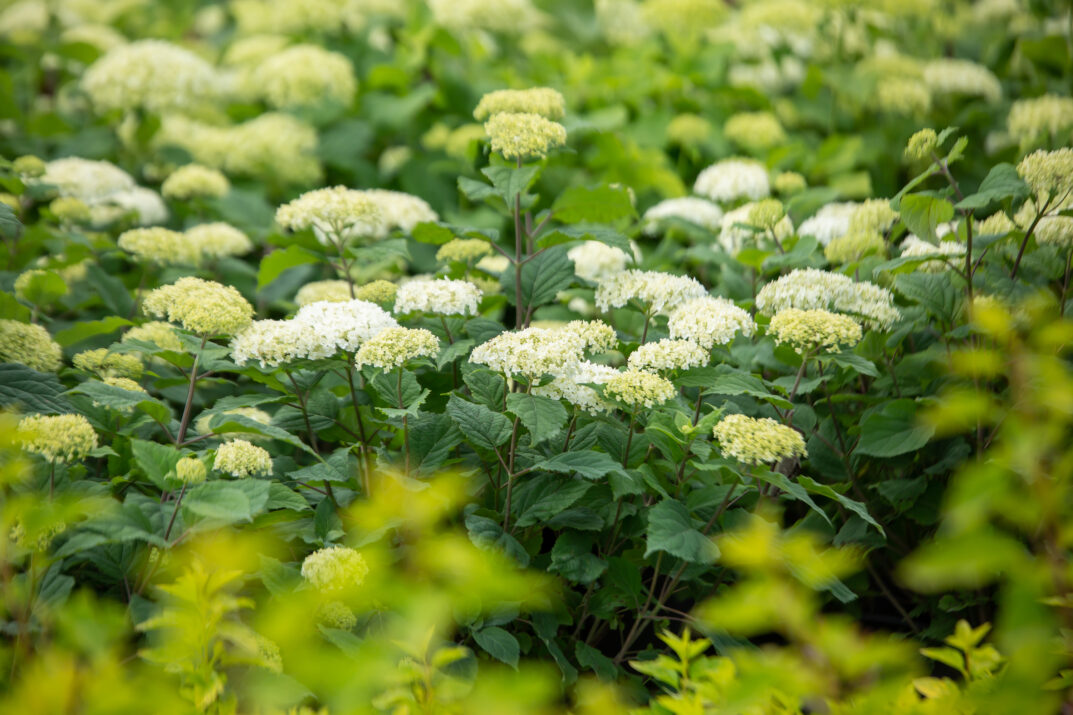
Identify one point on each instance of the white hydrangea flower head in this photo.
(344, 325)
(159, 245)
(635, 388)
(153, 75)
(810, 289)
(658, 292)
(710, 321)
(511, 17)
(754, 440)
(733, 237)
(950, 76)
(305, 77)
(829, 223)
(400, 211)
(86, 179)
(812, 330)
(289, 18)
(1055, 230)
(1038, 118)
(437, 296)
(695, 210)
(594, 261)
(335, 569)
(534, 352)
(218, 240)
(395, 347)
(195, 181)
(729, 180)
(546, 102)
(944, 252)
(57, 438)
(754, 131)
(144, 204)
(666, 355)
(242, 459)
(332, 291)
(272, 343)
(335, 214)
(575, 388)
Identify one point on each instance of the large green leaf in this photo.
(510, 181)
(499, 644)
(893, 429)
(482, 427)
(277, 262)
(600, 204)
(572, 557)
(542, 277)
(1002, 182)
(671, 529)
(921, 214)
(556, 495)
(90, 328)
(791, 487)
(855, 506)
(587, 463)
(542, 416)
(156, 460)
(31, 391)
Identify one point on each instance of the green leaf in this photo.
(542, 278)
(570, 234)
(156, 460)
(573, 558)
(893, 429)
(587, 463)
(499, 644)
(113, 397)
(227, 502)
(792, 488)
(435, 233)
(732, 383)
(542, 416)
(510, 181)
(277, 262)
(852, 361)
(921, 214)
(932, 291)
(600, 204)
(557, 497)
(90, 328)
(1002, 182)
(671, 529)
(487, 387)
(32, 391)
(10, 226)
(855, 506)
(488, 534)
(336, 468)
(432, 437)
(225, 424)
(280, 497)
(110, 289)
(482, 427)
(589, 657)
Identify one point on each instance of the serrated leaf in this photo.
(156, 460)
(10, 226)
(542, 278)
(510, 181)
(855, 506)
(542, 416)
(572, 557)
(893, 429)
(276, 262)
(556, 498)
(481, 426)
(89, 329)
(587, 463)
(921, 214)
(499, 644)
(792, 488)
(1002, 182)
(854, 362)
(32, 391)
(435, 233)
(671, 529)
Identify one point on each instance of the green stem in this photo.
(185, 423)
(405, 426)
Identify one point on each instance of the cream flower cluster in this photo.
(157, 332)
(635, 388)
(811, 330)
(194, 181)
(523, 135)
(829, 223)
(668, 354)
(292, 18)
(754, 440)
(335, 214)
(709, 321)
(688, 130)
(400, 211)
(57, 438)
(344, 326)
(1040, 118)
(123, 383)
(159, 245)
(595, 261)
(105, 363)
(535, 352)
(437, 296)
(575, 387)
(305, 77)
(873, 215)
(948, 76)
(242, 459)
(30, 345)
(507, 16)
(810, 288)
(463, 250)
(544, 101)
(733, 237)
(272, 343)
(218, 240)
(733, 179)
(854, 246)
(945, 251)
(332, 291)
(754, 131)
(700, 212)
(658, 292)
(203, 307)
(1049, 174)
(336, 614)
(381, 292)
(108, 191)
(153, 75)
(190, 470)
(395, 347)
(334, 569)
(1055, 230)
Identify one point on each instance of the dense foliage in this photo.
(661, 356)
